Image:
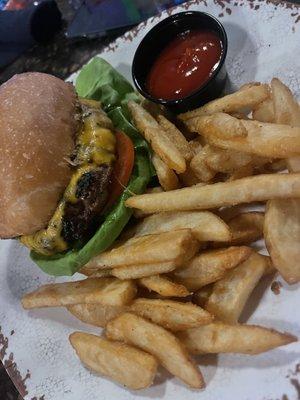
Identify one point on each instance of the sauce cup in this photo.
(159, 37)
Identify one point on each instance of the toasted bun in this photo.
(37, 132)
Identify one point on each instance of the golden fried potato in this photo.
(188, 177)
(199, 165)
(286, 108)
(293, 164)
(103, 273)
(95, 314)
(149, 249)
(196, 144)
(245, 98)
(202, 295)
(157, 138)
(219, 337)
(264, 111)
(245, 190)
(210, 266)
(164, 286)
(176, 137)
(263, 139)
(107, 291)
(144, 270)
(282, 237)
(166, 176)
(282, 225)
(141, 214)
(243, 172)
(205, 225)
(224, 160)
(246, 227)
(230, 294)
(158, 342)
(170, 314)
(124, 364)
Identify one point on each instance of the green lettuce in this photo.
(98, 80)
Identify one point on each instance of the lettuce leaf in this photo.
(98, 80)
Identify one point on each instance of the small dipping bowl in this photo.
(159, 37)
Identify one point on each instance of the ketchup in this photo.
(184, 65)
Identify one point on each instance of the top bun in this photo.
(37, 136)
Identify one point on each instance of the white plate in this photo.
(264, 41)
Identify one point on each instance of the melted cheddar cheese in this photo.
(95, 146)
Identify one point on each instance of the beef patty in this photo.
(82, 218)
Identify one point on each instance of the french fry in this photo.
(95, 314)
(264, 139)
(156, 136)
(282, 236)
(293, 164)
(164, 286)
(223, 160)
(199, 166)
(286, 111)
(246, 227)
(196, 144)
(170, 314)
(210, 266)
(166, 176)
(242, 172)
(264, 111)
(188, 177)
(159, 342)
(144, 270)
(153, 108)
(245, 190)
(176, 137)
(103, 273)
(219, 337)
(202, 295)
(107, 291)
(224, 126)
(229, 161)
(149, 249)
(124, 364)
(286, 108)
(230, 294)
(247, 97)
(141, 214)
(205, 225)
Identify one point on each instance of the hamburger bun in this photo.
(37, 137)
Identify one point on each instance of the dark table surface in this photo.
(61, 57)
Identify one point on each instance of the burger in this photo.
(64, 168)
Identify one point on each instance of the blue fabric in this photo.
(3, 4)
(20, 29)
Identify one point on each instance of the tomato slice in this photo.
(123, 167)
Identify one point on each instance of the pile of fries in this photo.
(176, 283)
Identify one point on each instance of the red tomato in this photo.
(122, 168)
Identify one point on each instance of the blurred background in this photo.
(59, 36)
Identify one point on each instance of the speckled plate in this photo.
(264, 41)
